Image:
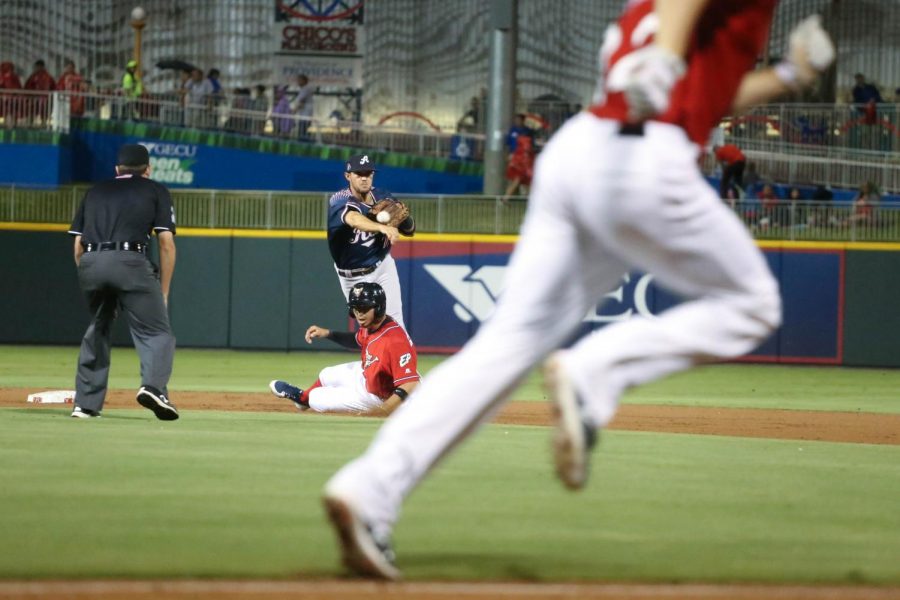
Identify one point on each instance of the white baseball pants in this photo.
(343, 390)
(602, 204)
(386, 276)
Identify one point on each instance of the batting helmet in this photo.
(365, 295)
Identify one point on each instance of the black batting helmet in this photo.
(365, 295)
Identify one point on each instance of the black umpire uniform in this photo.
(112, 230)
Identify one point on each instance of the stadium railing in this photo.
(225, 209)
(813, 144)
(54, 111)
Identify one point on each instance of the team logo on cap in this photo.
(364, 159)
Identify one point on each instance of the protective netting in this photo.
(420, 56)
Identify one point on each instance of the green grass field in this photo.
(225, 495)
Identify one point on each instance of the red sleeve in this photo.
(402, 359)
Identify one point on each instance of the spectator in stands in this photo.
(260, 104)
(40, 80)
(239, 119)
(132, 86)
(752, 179)
(797, 204)
(282, 124)
(517, 129)
(132, 89)
(864, 92)
(217, 96)
(733, 162)
(197, 100)
(865, 204)
(520, 168)
(472, 121)
(10, 107)
(301, 94)
(72, 81)
(819, 215)
(770, 201)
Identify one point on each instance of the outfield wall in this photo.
(261, 289)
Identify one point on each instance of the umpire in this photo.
(112, 231)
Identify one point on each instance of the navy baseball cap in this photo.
(359, 162)
(133, 155)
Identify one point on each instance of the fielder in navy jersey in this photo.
(360, 246)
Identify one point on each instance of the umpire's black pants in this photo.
(112, 279)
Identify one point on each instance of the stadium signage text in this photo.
(340, 40)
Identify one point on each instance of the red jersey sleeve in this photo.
(402, 362)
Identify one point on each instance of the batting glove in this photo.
(810, 52)
(646, 77)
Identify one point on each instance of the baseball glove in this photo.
(396, 210)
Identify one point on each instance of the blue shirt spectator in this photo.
(863, 92)
(518, 128)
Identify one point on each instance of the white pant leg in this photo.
(387, 277)
(343, 390)
(671, 223)
(552, 281)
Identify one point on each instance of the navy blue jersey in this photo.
(351, 248)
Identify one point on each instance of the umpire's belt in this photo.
(358, 272)
(133, 246)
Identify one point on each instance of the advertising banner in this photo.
(451, 287)
(323, 40)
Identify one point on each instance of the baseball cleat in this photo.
(153, 399)
(283, 389)
(84, 413)
(573, 436)
(361, 551)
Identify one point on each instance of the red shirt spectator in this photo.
(729, 154)
(733, 162)
(40, 79)
(72, 81)
(9, 80)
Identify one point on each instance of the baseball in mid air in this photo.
(383, 217)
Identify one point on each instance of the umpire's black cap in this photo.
(133, 155)
(359, 162)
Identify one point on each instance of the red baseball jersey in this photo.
(388, 358)
(724, 46)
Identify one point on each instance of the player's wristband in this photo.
(401, 393)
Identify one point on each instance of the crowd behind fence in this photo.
(814, 144)
(54, 110)
(786, 220)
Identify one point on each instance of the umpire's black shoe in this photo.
(574, 437)
(150, 397)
